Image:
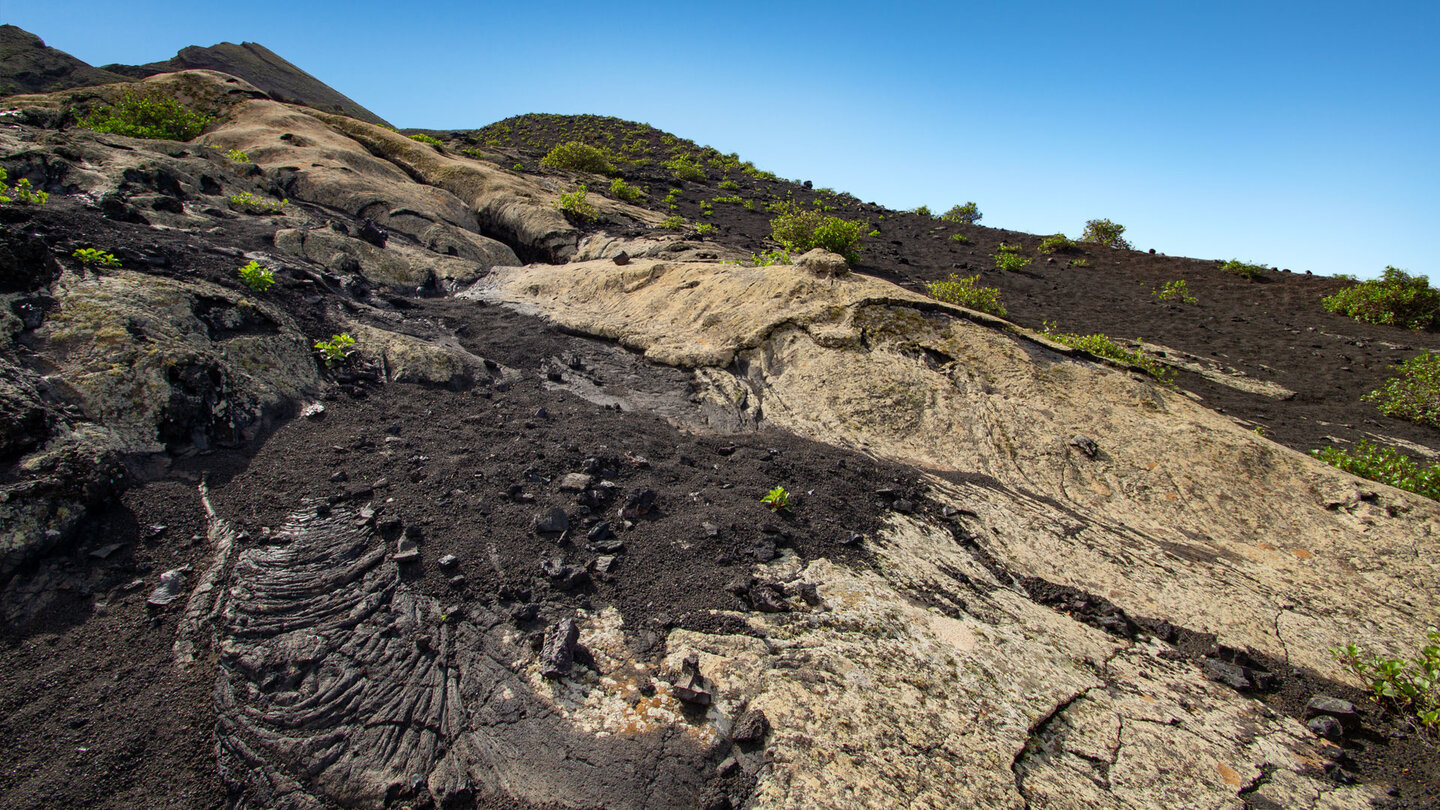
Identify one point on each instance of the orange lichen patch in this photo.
(1301, 553)
(1265, 546)
(1170, 496)
(1231, 777)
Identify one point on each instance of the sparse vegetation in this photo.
(575, 206)
(147, 113)
(776, 499)
(250, 204)
(704, 229)
(21, 192)
(578, 156)
(1102, 345)
(336, 349)
(95, 256)
(1408, 688)
(621, 190)
(673, 223)
(965, 292)
(729, 185)
(1177, 291)
(238, 156)
(1414, 392)
(256, 277)
(1395, 299)
(922, 211)
(961, 238)
(1245, 270)
(770, 257)
(968, 213)
(1079, 262)
(799, 230)
(1009, 258)
(1386, 465)
(1107, 233)
(423, 138)
(1058, 243)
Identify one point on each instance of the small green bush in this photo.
(799, 230)
(964, 292)
(776, 499)
(673, 223)
(733, 199)
(1102, 345)
(922, 211)
(1059, 243)
(729, 185)
(621, 190)
(250, 204)
(770, 257)
(1396, 299)
(684, 168)
(1107, 233)
(961, 238)
(256, 277)
(147, 113)
(1408, 688)
(706, 209)
(1176, 291)
(578, 157)
(704, 229)
(1079, 263)
(21, 193)
(89, 256)
(237, 156)
(969, 213)
(1009, 258)
(336, 349)
(423, 138)
(1245, 270)
(575, 207)
(1386, 465)
(1414, 392)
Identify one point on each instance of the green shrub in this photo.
(1101, 345)
(963, 292)
(1079, 262)
(922, 211)
(1245, 270)
(672, 199)
(729, 185)
(147, 113)
(770, 257)
(1386, 465)
(1107, 233)
(749, 205)
(704, 229)
(1396, 299)
(575, 207)
(621, 190)
(673, 223)
(1176, 291)
(1009, 258)
(237, 156)
(256, 277)
(706, 209)
(578, 157)
(799, 230)
(1059, 243)
(969, 213)
(423, 138)
(1414, 392)
(1408, 688)
(22, 192)
(89, 256)
(776, 499)
(336, 349)
(684, 168)
(734, 199)
(961, 238)
(250, 204)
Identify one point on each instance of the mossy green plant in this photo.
(248, 203)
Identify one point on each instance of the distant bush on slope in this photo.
(1395, 299)
(1386, 465)
(969, 214)
(964, 292)
(799, 230)
(147, 113)
(1414, 392)
(578, 157)
(1107, 233)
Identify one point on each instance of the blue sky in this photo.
(1300, 135)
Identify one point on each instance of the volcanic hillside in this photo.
(601, 509)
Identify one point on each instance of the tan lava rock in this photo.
(822, 262)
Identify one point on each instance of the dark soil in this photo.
(93, 712)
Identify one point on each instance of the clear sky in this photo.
(1295, 134)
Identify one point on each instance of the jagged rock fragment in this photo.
(558, 654)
